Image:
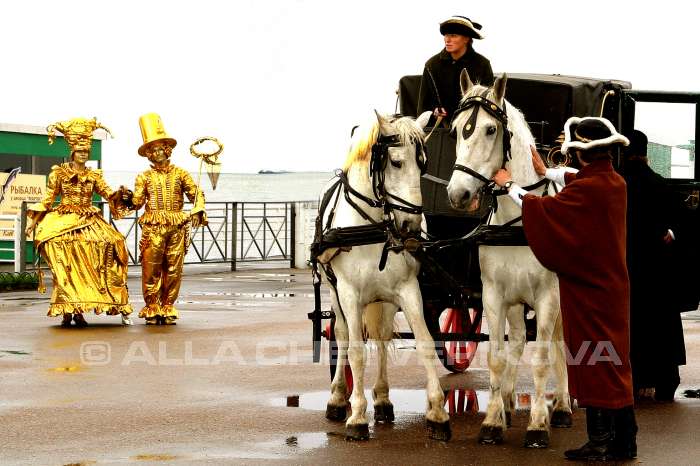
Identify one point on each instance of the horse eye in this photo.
(396, 163)
(491, 130)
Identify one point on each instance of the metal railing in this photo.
(237, 232)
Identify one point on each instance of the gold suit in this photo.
(165, 234)
(87, 256)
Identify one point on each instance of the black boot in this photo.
(601, 433)
(625, 442)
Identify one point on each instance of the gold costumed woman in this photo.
(87, 256)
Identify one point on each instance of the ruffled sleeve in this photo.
(116, 206)
(53, 189)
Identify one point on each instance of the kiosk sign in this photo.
(29, 188)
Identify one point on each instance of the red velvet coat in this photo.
(581, 235)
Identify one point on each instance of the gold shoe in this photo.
(170, 321)
(152, 320)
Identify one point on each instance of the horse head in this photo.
(398, 161)
(480, 126)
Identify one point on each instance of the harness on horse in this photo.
(374, 232)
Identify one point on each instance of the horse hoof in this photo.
(439, 430)
(336, 413)
(357, 432)
(509, 419)
(537, 439)
(384, 413)
(491, 435)
(561, 418)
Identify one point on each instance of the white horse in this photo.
(511, 275)
(360, 282)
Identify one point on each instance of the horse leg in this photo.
(494, 424)
(516, 345)
(357, 426)
(379, 322)
(537, 435)
(411, 302)
(336, 409)
(561, 416)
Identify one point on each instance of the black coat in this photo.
(656, 332)
(445, 72)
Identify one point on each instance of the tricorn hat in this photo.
(461, 25)
(590, 133)
(152, 130)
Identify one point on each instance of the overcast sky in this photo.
(281, 83)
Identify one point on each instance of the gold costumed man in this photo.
(87, 256)
(165, 227)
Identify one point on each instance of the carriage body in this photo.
(452, 308)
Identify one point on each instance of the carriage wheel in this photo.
(333, 357)
(456, 356)
(460, 401)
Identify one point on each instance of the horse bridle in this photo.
(377, 168)
(477, 102)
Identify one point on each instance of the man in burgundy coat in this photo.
(581, 235)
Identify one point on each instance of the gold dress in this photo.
(165, 234)
(87, 256)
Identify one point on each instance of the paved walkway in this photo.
(233, 383)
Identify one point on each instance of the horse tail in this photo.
(378, 321)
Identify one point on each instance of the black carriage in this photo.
(452, 291)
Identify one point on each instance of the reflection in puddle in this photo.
(14, 352)
(65, 369)
(406, 401)
(231, 304)
(154, 457)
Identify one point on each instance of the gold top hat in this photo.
(152, 130)
(77, 132)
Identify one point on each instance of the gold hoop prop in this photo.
(210, 158)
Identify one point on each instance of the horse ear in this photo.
(384, 126)
(464, 82)
(499, 88)
(423, 119)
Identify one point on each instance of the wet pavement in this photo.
(233, 383)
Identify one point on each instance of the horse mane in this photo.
(367, 135)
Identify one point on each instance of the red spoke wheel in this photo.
(460, 401)
(456, 356)
(333, 357)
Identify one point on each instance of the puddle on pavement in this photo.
(269, 294)
(296, 442)
(407, 401)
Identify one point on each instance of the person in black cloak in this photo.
(656, 332)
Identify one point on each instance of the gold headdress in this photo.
(77, 132)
